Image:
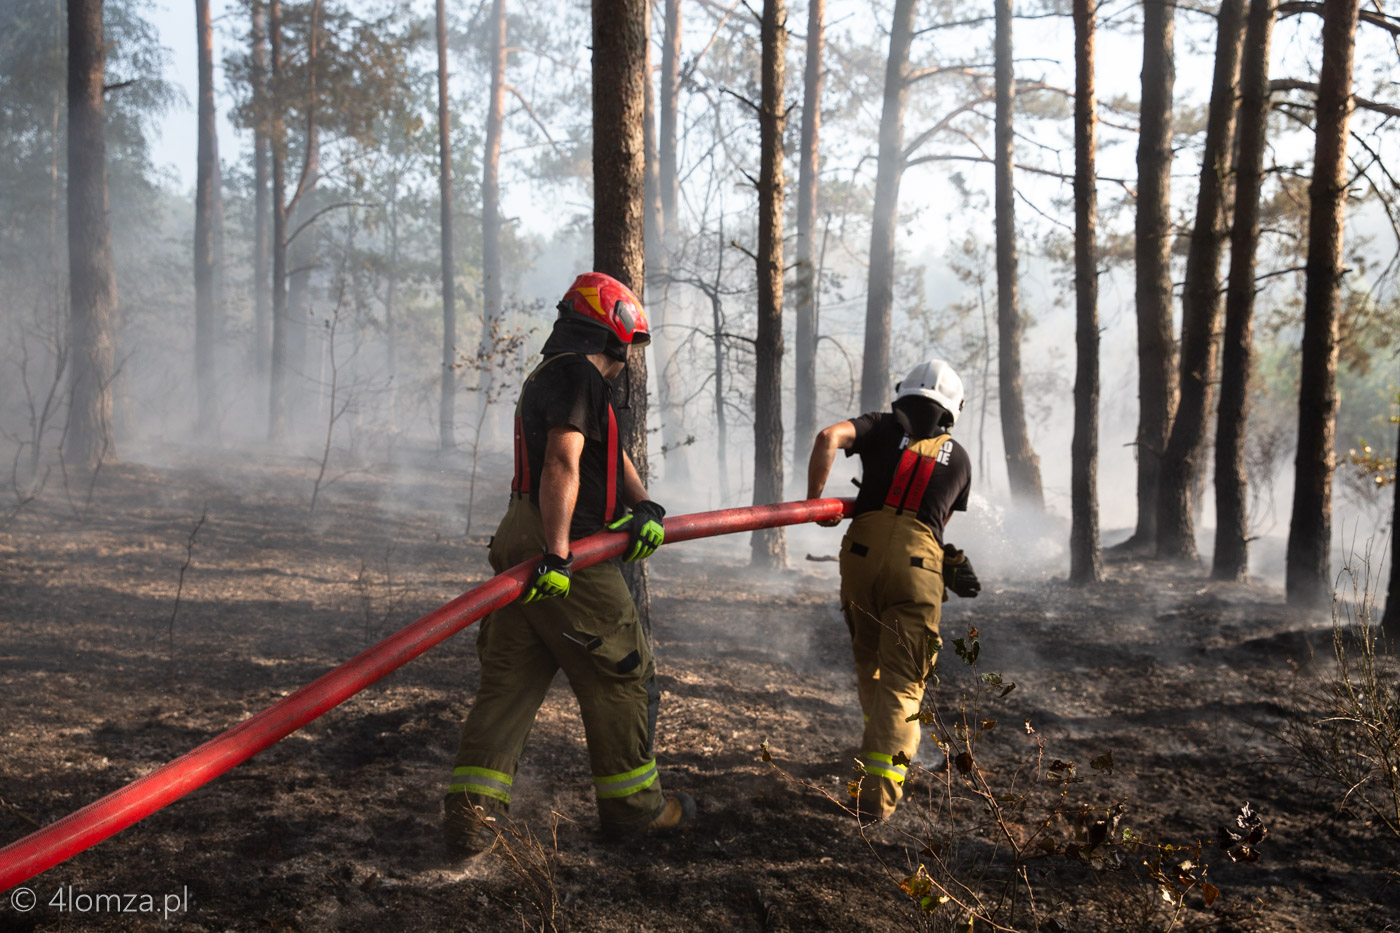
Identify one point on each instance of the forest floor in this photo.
(1192, 686)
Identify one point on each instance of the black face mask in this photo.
(922, 417)
(573, 334)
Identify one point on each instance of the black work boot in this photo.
(467, 831)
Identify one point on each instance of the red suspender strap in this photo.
(520, 483)
(611, 502)
(902, 475)
(915, 496)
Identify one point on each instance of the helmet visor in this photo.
(627, 318)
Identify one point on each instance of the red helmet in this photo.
(605, 301)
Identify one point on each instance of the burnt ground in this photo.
(1190, 686)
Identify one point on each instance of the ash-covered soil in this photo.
(1190, 686)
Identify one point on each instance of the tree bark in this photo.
(92, 279)
(619, 181)
(1086, 557)
(770, 544)
(491, 273)
(1231, 560)
(205, 197)
(277, 142)
(1308, 579)
(659, 240)
(1390, 620)
(1152, 253)
(261, 296)
(805, 282)
(1200, 304)
(289, 304)
(1022, 465)
(447, 408)
(875, 378)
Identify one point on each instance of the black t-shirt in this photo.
(880, 441)
(569, 391)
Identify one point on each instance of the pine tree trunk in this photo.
(205, 196)
(670, 392)
(493, 287)
(447, 408)
(1231, 560)
(1390, 621)
(619, 231)
(303, 238)
(1022, 465)
(875, 381)
(301, 253)
(1309, 580)
(770, 544)
(277, 143)
(1200, 303)
(261, 296)
(92, 280)
(1152, 252)
(1086, 557)
(805, 280)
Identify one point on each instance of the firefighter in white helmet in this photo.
(895, 565)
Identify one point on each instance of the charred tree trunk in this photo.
(261, 296)
(92, 280)
(770, 544)
(879, 303)
(205, 198)
(1086, 557)
(805, 282)
(1309, 580)
(1022, 465)
(1200, 303)
(447, 409)
(277, 143)
(1231, 561)
(491, 272)
(1152, 253)
(619, 182)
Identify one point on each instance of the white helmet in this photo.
(934, 379)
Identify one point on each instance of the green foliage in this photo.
(34, 124)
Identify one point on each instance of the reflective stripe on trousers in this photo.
(484, 781)
(611, 786)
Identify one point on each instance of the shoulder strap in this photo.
(610, 501)
(915, 469)
(520, 482)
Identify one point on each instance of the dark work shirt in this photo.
(570, 391)
(880, 442)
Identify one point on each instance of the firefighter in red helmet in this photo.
(572, 478)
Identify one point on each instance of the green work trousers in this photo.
(595, 636)
(891, 595)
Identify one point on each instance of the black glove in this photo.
(958, 574)
(644, 528)
(551, 579)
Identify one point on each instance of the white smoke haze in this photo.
(382, 423)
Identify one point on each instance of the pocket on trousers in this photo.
(615, 650)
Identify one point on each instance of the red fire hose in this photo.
(84, 828)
